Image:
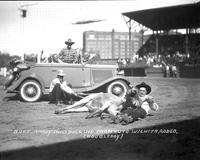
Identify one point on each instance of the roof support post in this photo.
(129, 34)
(157, 43)
(186, 41)
(142, 30)
(112, 39)
(129, 25)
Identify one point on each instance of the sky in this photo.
(49, 23)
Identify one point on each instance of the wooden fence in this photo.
(189, 71)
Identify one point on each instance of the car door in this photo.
(47, 72)
(86, 71)
(76, 74)
(100, 73)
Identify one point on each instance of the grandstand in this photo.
(167, 40)
(172, 44)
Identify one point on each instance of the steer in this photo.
(97, 104)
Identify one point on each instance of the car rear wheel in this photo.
(118, 88)
(30, 91)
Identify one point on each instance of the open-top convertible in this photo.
(33, 81)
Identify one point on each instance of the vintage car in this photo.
(33, 81)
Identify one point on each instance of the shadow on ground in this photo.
(184, 145)
(16, 97)
(11, 97)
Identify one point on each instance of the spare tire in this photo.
(118, 88)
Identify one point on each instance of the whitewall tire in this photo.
(30, 91)
(118, 88)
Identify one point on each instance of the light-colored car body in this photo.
(84, 78)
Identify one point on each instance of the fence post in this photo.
(4, 71)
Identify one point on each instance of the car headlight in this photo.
(15, 69)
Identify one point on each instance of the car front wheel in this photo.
(30, 91)
(118, 88)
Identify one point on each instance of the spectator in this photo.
(167, 70)
(174, 71)
(170, 71)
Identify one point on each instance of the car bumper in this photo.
(11, 91)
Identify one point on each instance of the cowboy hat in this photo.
(148, 88)
(60, 73)
(69, 42)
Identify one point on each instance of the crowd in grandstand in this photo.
(169, 63)
(173, 52)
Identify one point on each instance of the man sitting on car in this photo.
(60, 91)
(67, 54)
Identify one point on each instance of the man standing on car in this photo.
(60, 90)
(67, 54)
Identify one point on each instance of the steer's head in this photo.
(131, 93)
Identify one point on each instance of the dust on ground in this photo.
(33, 131)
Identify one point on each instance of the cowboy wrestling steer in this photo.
(96, 103)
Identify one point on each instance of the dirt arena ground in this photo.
(32, 130)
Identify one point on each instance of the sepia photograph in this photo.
(93, 80)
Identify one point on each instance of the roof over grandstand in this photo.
(166, 18)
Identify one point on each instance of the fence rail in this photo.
(189, 71)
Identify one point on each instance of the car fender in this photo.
(23, 77)
(103, 85)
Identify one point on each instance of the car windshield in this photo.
(79, 59)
